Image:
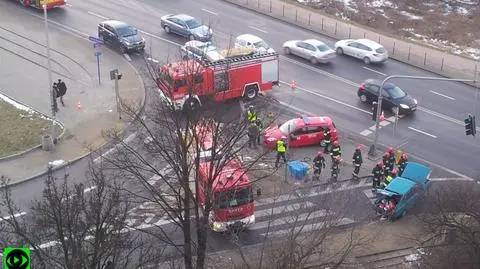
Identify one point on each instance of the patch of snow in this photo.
(467, 2)
(308, 1)
(381, 3)
(15, 104)
(342, 16)
(411, 16)
(462, 11)
(412, 257)
(56, 163)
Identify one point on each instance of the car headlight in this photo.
(127, 43)
(404, 106)
(271, 139)
(210, 31)
(415, 101)
(218, 226)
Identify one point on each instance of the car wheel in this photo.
(339, 51)
(286, 50)
(366, 60)
(313, 60)
(166, 28)
(363, 98)
(251, 92)
(191, 37)
(123, 50)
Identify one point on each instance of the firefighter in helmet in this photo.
(357, 161)
(378, 175)
(335, 168)
(386, 163)
(327, 136)
(393, 160)
(336, 150)
(402, 163)
(318, 164)
(251, 115)
(281, 149)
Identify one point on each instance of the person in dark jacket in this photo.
(386, 164)
(335, 168)
(402, 163)
(62, 90)
(327, 136)
(260, 129)
(318, 164)
(357, 161)
(253, 134)
(55, 96)
(393, 159)
(336, 150)
(378, 175)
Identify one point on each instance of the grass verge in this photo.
(20, 128)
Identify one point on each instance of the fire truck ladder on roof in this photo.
(238, 59)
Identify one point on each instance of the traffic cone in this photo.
(382, 116)
(79, 106)
(293, 85)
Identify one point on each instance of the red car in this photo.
(303, 131)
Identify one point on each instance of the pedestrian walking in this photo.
(336, 150)
(318, 164)
(335, 168)
(260, 129)
(378, 175)
(402, 163)
(357, 161)
(386, 163)
(251, 114)
(281, 149)
(55, 96)
(62, 90)
(253, 134)
(393, 158)
(327, 136)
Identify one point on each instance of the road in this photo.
(435, 132)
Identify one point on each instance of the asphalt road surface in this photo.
(435, 132)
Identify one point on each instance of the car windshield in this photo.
(260, 44)
(193, 23)
(395, 92)
(127, 31)
(233, 198)
(288, 126)
(323, 48)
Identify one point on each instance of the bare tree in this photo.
(71, 228)
(453, 227)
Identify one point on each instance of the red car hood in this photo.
(273, 131)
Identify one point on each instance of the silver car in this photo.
(199, 50)
(311, 49)
(364, 49)
(186, 26)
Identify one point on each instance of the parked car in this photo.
(367, 50)
(311, 49)
(121, 35)
(254, 42)
(199, 50)
(303, 131)
(393, 96)
(186, 26)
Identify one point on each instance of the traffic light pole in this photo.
(50, 79)
(372, 151)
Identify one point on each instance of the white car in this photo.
(199, 50)
(311, 49)
(254, 42)
(367, 50)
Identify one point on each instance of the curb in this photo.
(17, 155)
(305, 27)
(73, 161)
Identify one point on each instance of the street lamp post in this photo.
(50, 79)
(372, 150)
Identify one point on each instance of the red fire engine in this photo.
(187, 83)
(39, 3)
(232, 194)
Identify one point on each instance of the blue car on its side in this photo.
(406, 189)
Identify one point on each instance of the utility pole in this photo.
(372, 150)
(50, 79)
(116, 76)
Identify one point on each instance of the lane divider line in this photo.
(374, 71)
(442, 95)
(422, 132)
(97, 15)
(209, 11)
(258, 29)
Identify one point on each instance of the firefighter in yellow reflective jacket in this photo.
(281, 149)
(251, 115)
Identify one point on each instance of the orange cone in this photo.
(382, 116)
(79, 106)
(293, 85)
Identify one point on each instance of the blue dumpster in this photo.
(298, 170)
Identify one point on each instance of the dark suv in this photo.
(121, 35)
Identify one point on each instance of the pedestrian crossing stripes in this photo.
(370, 195)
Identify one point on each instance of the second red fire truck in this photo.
(187, 84)
(39, 3)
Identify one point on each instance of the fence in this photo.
(420, 56)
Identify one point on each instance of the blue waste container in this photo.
(298, 170)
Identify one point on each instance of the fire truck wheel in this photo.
(251, 92)
(191, 104)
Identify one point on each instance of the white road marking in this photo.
(442, 95)
(211, 12)
(97, 15)
(370, 195)
(127, 57)
(299, 219)
(258, 29)
(374, 71)
(384, 123)
(422, 132)
(283, 209)
(160, 38)
(310, 227)
(13, 216)
(366, 132)
(452, 179)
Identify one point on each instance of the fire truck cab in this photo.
(39, 3)
(188, 83)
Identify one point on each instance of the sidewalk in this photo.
(431, 59)
(89, 108)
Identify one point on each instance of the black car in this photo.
(393, 96)
(121, 35)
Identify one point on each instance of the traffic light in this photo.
(470, 128)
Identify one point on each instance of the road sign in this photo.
(95, 39)
(98, 53)
(96, 45)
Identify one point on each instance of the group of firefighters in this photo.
(383, 172)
